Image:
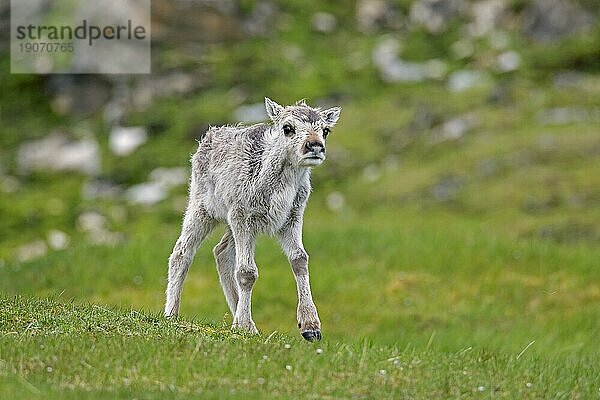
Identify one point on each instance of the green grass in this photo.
(465, 283)
(442, 292)
(63, 350)
(478, 287)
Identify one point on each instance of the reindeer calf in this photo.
(255, 179)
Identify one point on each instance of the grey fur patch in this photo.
(306, 114)
(300, 264)
(256, 132)
(256, 146)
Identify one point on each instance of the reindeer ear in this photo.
(273, 109)
(331, 115)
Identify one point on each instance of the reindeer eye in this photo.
(288, 130)
(326, 132)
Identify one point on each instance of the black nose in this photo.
(314, 146)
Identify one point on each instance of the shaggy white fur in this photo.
(255, 179)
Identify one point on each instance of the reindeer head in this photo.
(303, 130)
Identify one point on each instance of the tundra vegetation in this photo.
(453, 231)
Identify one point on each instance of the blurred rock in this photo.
(374, 15)
(541, 204)
(568, 115)
(147, 194)
(500, 94)
(106, 238)
(125, 140)
(94, 225)
(292, 53)
(423, 118)
(570, 79)
(371, 173)
(114, 111)
(78, 94)
(485, 14)
(446, 188)
(250, 113)
(147, 89)
(570, 232)
(100, 189)
(91, 221)
(157, 188)
(197, 21)
(391, 162)
(455, 128)
(175, 83)
(464, 79)
(323, 22)
(402, 71)
(119, 103)
(57, 240)
(237, 95)
(547, 143)
(487, 167)
(31, 251)
(169, 177)
(391, 67)
(335, 201)
(508, 61)
(435, 15)
(57, 152)
(551, 20)
(258, 22)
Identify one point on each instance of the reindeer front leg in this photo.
(291, 242)
(246, 274)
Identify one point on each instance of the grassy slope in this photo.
(476, 288)
(396, 266)
(49, 349)
(449, 286)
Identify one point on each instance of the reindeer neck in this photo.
(277, 166)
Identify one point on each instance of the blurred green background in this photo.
(459, 204)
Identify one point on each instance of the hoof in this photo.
(245, 327)
(312, 335)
